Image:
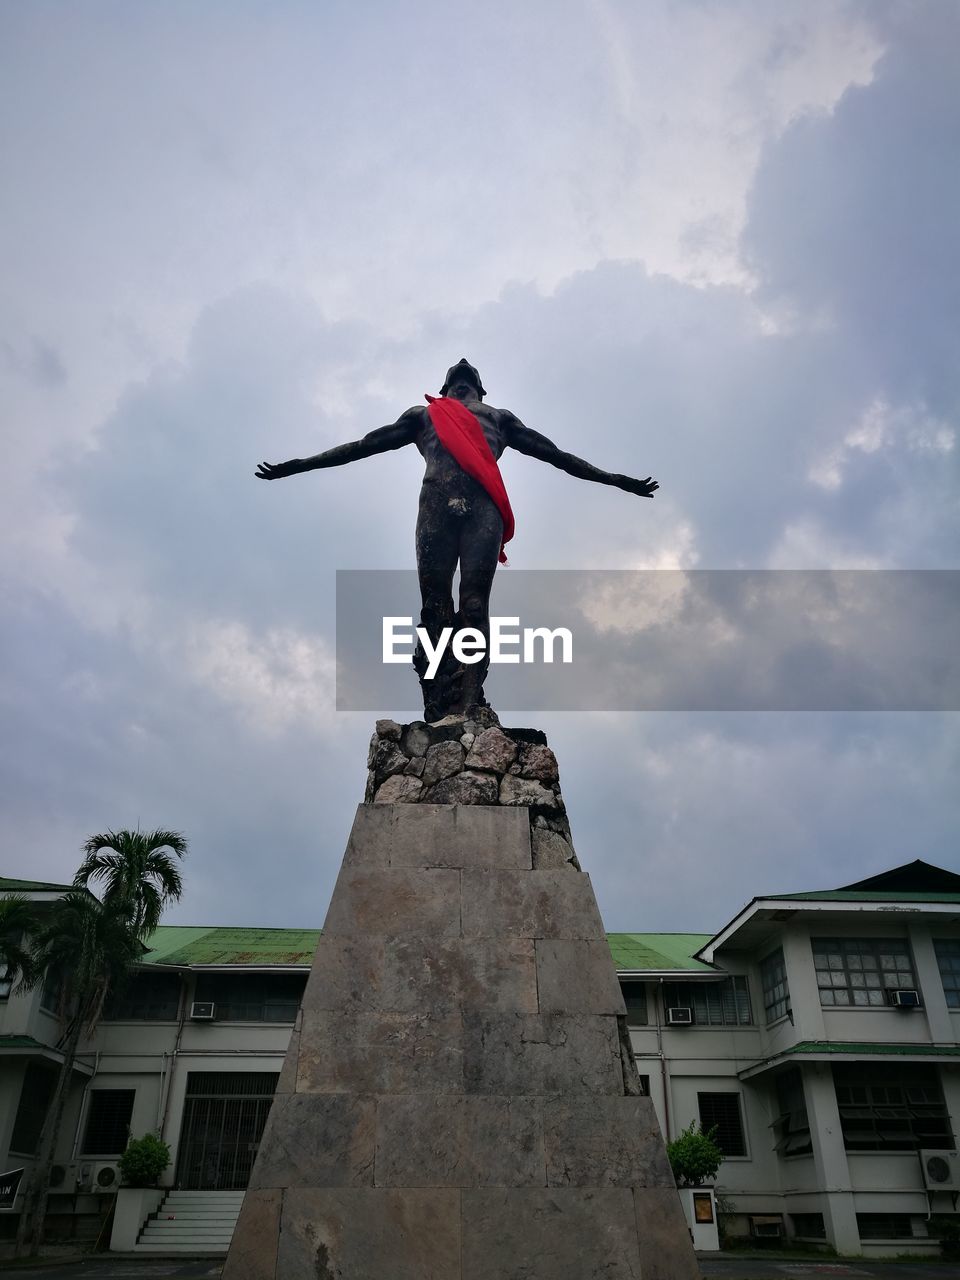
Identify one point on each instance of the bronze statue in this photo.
(458, 521)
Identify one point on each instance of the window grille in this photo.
(231, 1084)
(714, 1004)
(792, 1126)
(147, 997)
(722, 1111)
(776, 992)
(861, 971)
(224, 1116)
(39, 1081)
(948, 958)
(891, 1106)
(252, 997)
(108, 1122)
(635, 998)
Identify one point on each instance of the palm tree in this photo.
(17, 923)
(89, 947)
(139, 872)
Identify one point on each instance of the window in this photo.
(635, 998)
(252, 997)
(39, 1081)
(223, 1120)
(722, 1111)
(948, 958)
(791, 1127)
(6, 978)
(860, 971)
(776, 993)
(231, 1084)
(147, 997)
(108, 1122)
(714, 1004)
(884, 1226)
(810, 1226)
(891, 1106)
(50, 992)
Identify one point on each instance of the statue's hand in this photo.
(277, 470)
(642, 488)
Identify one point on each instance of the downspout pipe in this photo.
(184, 993)
(664, 1076)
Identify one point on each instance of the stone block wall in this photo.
(459, 1101)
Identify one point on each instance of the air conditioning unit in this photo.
(679, 1017)
(203, 1011)
(941, 1170)
(106, 1176)
(906, 998)
(58, 1176)
(98, 1175)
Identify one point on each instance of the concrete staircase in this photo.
(192, 1222)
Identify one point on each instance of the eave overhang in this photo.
(772, 911)
(852, 1053)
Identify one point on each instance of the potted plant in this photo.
(694, 1156)
(141, 1165)
(144, 1161)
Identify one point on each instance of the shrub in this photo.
(144, 1160)
(694, 1156)
(946, 1228)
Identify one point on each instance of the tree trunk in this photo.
(37, 1192)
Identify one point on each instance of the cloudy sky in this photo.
(715, 242)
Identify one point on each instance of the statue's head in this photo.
(460, 372)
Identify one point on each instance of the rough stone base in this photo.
(471, 759)
(456, 1103)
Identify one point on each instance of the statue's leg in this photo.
(479, 550)
(438, 546)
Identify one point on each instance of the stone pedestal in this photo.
(459, 1101)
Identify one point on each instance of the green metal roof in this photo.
(861, 895)
(185, 945)
(21, 1042)
(176, 944)
(25, 886)
(658, 951)
(861, 1049)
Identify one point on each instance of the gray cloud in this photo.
(850, 215)
(269, 252)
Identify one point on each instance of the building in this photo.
(819, 1032)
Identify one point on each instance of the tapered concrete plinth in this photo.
(458, 1102)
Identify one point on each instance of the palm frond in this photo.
(18, 922)
(137, 871)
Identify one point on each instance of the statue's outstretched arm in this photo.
(395, 436)
(535, 445)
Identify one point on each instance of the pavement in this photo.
(107, 1267)
(722, 1266)
(727, 1267)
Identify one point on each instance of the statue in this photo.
(464, 515)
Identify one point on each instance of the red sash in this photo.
(460, 433)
